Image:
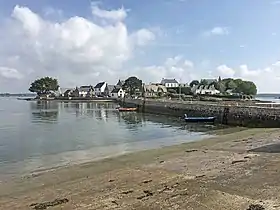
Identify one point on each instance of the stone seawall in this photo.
(237, 115)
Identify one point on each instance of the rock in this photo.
(238, 161)
(127, 192)
(147, 181)
(255, 207)
(193, 150)
(45, 205)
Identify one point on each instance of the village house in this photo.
(117, 92)
(83, 91)
(169, 83)
(155, 90)
(100, 88)
(205, 90)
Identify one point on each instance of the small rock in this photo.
(200, 176)
(162, 161)
(127, 192)
(148, 193)
(111, 180)
(45, 205)
(147, 181)
(238, 161)
(193, 150)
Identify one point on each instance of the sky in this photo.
(85, 42)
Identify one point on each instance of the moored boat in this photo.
(124, 109)
(199, 119)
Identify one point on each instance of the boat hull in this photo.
(200, 119)
(121, 109)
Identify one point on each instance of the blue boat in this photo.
(199, 119)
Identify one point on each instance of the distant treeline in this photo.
(17, 95)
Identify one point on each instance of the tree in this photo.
(203, 82)
(186, 90)
(44, 85)
(194, 82)
(132, 85)
(173, 91)
(231, 85)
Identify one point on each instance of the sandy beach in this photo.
(230, 171)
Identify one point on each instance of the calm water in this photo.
(40, 135)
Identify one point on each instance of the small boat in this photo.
(123, 109)
(199, 119)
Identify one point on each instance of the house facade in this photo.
(83, 92)
(169, 83)
(100, 89)
(155, 90)
(205, 90)
(117, 92)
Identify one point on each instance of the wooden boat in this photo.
(199, 119)
(123, 109)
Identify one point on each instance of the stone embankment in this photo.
(236, 114)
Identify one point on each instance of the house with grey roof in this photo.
(86, 91)
(117, 92)
(100, 88)
(169, 83)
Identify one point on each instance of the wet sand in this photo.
(230, 171)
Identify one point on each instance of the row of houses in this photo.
(102, 89)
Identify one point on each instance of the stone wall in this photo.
(238, 115)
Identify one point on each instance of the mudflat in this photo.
(230, 171)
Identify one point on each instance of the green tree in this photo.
(44, 85)
(133, 85)
(203, 82)
(186, 90)
(173, 91)
(194, 82)
(231, 85)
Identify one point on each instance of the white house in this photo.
(205, 90)
(117, 93)
(100, 88)
(83, 91)
(169, 83)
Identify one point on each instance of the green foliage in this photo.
(203, 82)
(44, 85)
(194, 82)
(171, 90)
(133, 85)
(238, 86)
(186, 90)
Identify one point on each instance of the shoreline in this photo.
(228, 167)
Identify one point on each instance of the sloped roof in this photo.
(120, 82)
(154, 88)
(116, 90)
(110, 88)
(85, 88)
(99, 85)
(164, 81)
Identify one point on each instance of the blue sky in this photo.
(228, 38)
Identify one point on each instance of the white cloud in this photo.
(74, 50)
(174, 67)
(10, 73)
(217, 31)
(225, 71)
(115, 15)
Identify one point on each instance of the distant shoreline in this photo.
(70, 100)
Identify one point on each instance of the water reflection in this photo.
(48, 133)
(44, 112)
